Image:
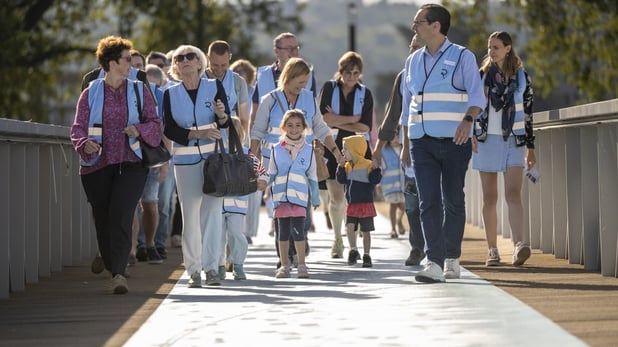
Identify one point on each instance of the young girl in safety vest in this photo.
(294, 180)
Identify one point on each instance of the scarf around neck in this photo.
(501, 95)
(293, 146)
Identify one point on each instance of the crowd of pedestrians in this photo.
(443, 112)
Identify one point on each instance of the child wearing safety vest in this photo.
(294, 185)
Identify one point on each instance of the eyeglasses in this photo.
(127, 59)
(181, 57)
(418, 22)
(291, 49)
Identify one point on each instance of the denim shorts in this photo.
(495, 154)
(151, 189)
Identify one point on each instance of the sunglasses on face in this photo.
(127, 58)
(181, 57)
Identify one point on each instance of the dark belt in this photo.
(427, 137)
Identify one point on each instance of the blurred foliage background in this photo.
(569, 46)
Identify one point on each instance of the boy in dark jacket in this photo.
(360, 179)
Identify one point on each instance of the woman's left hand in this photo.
(131, 131)
(530, 158)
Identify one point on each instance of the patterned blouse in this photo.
(115, 114)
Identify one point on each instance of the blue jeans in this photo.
(440, 168)
(166, 188)
(164, 194)
(413, 213)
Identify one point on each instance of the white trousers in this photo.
(201, 220)
(252, 219)
(233, 235)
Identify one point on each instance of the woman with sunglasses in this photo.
(104, 133)
(194, 111)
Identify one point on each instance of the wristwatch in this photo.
(468, 118)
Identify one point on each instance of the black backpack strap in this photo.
(139, 101)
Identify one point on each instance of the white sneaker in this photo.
(430, 274)
(451, 268)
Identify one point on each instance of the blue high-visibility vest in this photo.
(291, 183)
(96, 99)
(436, 107)
(198, 116)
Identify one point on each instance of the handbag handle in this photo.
(234, 144)
(139, 101)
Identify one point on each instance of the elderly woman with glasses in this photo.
(194, 112)
(107, 124)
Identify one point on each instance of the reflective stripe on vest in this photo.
(96, 99)
(291, 183)
(305, 102)
(392, 177)
(436, 108)
(194, 116)
(238, 204)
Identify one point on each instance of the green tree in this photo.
(41, 39)
(572, 41)
(35, 41)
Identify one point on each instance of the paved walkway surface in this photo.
(338, 305)
(344, 305)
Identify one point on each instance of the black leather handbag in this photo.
(151, 156)
(229, 173)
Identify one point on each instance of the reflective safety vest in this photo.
(266, 81)
(436, 107)
(291, 183)
(393, 176)
(519, 124)
(305, 102)
(230, 88)
(198, 116)
(359, 101)
(96, 99)
(237, 204)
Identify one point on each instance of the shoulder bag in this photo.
(231, 173)
(151, 156)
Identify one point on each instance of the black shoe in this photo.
(162, 252)
(415, 257)
(153, 256)
(353, 257)
(141, 254)
(367, 260)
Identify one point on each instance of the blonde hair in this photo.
(293, 68)
(192, 49)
